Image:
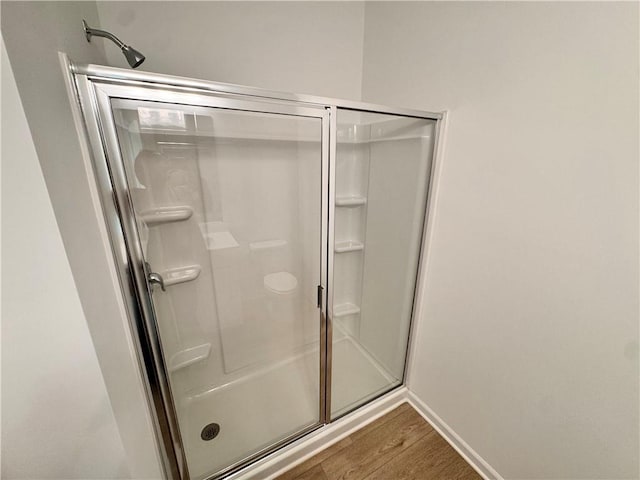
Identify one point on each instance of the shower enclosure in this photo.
(268, 248)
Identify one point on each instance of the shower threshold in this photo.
(250, 410)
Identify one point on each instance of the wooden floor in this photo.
(398, 446)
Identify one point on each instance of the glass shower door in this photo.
(227, 203)
(382, 176)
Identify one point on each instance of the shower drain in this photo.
(209, 432)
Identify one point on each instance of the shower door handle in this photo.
(156, 279)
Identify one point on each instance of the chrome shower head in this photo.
(134, 57)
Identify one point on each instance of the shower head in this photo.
(134, 57)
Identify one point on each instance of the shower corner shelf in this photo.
(160, 215)
(350, 201)
(177, 275)
(189, 357)
(221, 241)
(348, 246)
(345, 309)
(267, 245)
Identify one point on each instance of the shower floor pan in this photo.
(253, 411)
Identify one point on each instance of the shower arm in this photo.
(89, 32)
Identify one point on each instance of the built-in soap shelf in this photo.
(350, 201)
(217, 236)
(220, 241)
(348, 246)
(267, 245)
(345, 309)
(177, 275)
(160, 215)
(189, 357)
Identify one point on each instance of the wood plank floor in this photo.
(398, 446)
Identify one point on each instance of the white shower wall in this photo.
(268, 233)
(382, 177)
(253, 214)
(398, 183)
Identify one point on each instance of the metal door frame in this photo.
(94, 86)
(95, 98)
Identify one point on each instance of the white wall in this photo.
(57, 421)
(33, 33)
(303, 47)
(528, 340)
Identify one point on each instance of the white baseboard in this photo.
(288, 457)
(469, 454)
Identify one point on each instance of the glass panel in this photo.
(228, 204)
(382, 176)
